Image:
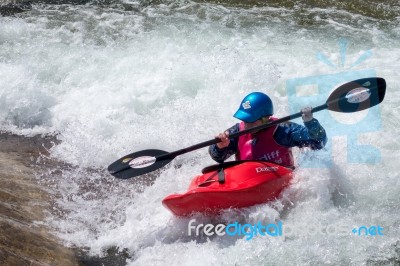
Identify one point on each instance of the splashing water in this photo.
(112, 79)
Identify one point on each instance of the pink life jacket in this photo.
(263, 147)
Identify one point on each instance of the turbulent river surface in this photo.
(108, 78)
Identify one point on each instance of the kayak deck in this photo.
(230, 185)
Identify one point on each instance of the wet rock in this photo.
(12, 7)
(24, 240)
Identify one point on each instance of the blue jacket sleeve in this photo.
(311, 135)
(220, 155)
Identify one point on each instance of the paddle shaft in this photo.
(172, 155)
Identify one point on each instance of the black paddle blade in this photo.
(138, 163)
(357, 95)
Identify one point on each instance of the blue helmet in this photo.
(254, 106)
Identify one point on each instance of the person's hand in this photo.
(307, 114)
(224, 137)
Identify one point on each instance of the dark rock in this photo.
(12, 7)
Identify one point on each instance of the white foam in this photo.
(111, 82)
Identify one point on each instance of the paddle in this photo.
(350, 97)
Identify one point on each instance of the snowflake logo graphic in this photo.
(314, 90)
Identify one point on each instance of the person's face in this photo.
(258, 122)
(253, 124)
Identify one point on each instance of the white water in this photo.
(111, 82)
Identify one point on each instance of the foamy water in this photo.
(110, 82)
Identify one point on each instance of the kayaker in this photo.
(272, 144)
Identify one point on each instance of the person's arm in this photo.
(311, 135)
(221, 154)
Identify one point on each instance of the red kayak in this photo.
(230, 185)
